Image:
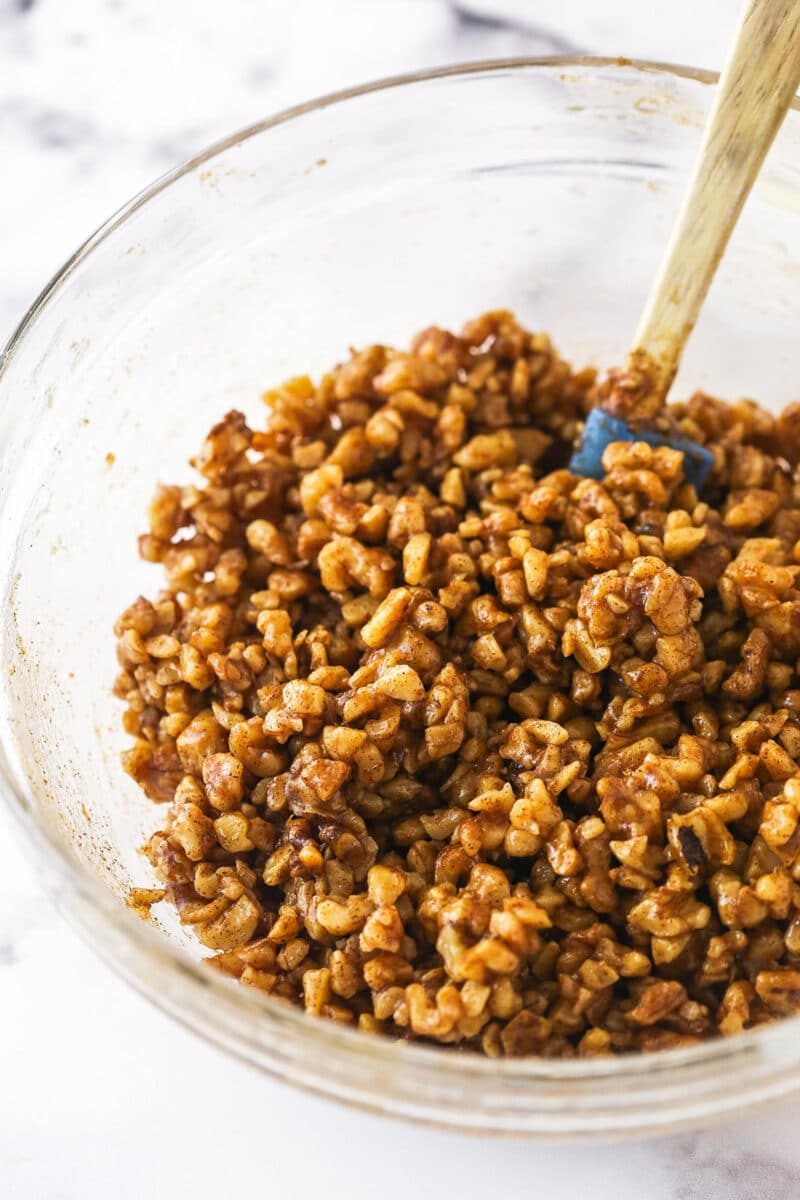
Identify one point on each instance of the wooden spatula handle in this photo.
(758, 84)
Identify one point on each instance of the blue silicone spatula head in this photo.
(602, 428)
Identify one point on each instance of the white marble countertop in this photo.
(96, 98)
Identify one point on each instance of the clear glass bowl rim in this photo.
(215, 996)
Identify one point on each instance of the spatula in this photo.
(760, 80)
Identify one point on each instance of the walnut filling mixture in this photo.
(457, 746)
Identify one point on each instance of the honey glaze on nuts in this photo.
(454, 745)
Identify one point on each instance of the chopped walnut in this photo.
(453, 745)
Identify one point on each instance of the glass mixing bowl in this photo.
(544, 186)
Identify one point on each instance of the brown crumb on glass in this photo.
(456, 746)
